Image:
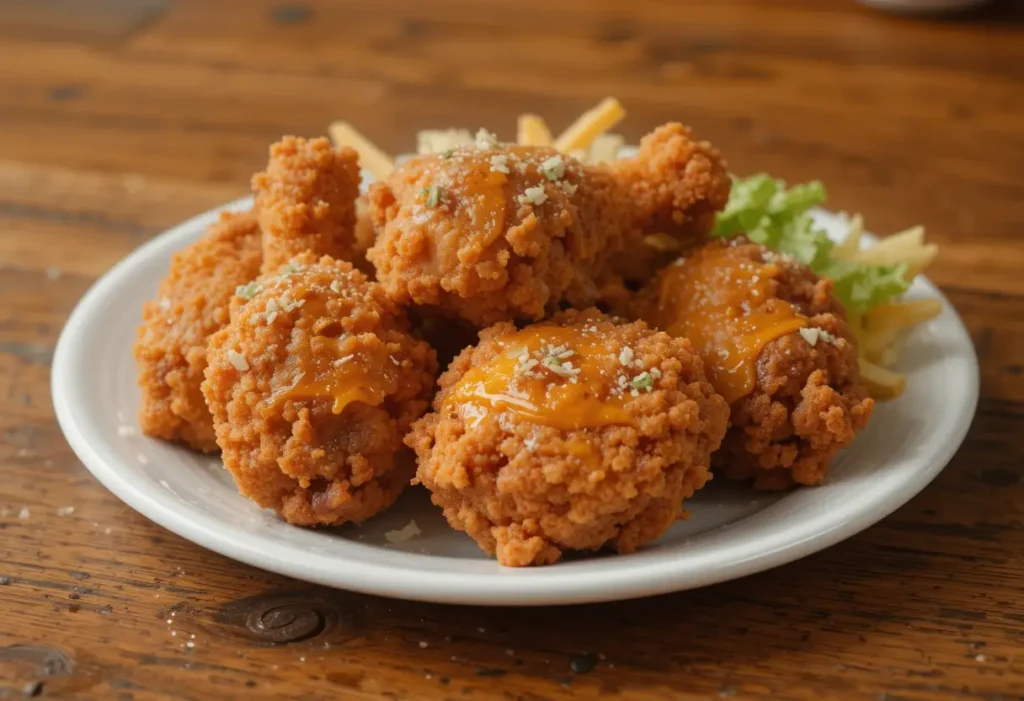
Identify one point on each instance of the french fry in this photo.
(851, 244)
(892, 249)
(881, 383)
(605, 148)
(922, 260)
(531, 130)
(902, 314)
(916, 257)
(889, 356)
(440, 140)
(903, 240)
(590, 125)
(879, 331)
(882, 347)
(370, 157)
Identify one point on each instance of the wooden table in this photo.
(118, 119)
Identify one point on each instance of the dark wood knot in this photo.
(285, 617)
(45, 661)
(26, 667)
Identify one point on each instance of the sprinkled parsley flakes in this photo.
(499, 163)
(237, 360)
(553, 168)
(813, 334)
(534, 195)
(247, 291)
(644, 381)
(433, 196)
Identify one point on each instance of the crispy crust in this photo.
(527, 492)
(306, 201)
(808, 402)
(192, 303)
(482, 251)
(312, 466)
(677, 185)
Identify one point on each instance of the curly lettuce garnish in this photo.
(778, 217)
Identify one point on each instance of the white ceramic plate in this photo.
(733, 531)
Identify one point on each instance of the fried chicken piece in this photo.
(312, 386)
(306, 200)
(191, 304)
(677, 185)
(776, 344)
(491, 232)
(572, 434)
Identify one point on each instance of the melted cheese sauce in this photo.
(570, 386)
(324, 372)
(470, 192)
(709, 298)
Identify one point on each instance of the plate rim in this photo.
(512, 588)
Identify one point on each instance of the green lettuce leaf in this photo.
(778, 217)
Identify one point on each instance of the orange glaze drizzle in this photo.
(324, 371)
(549, 399)
(708, 299)
(475, 193)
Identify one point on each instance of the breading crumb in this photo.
(401, 535)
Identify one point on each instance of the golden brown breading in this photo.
(192, 303)
(572, 434)
(312, 386)
(805, 400)
(306, 200)
(493, 232)
(496, 232)
(677, 185)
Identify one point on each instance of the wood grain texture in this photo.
(112, 132)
